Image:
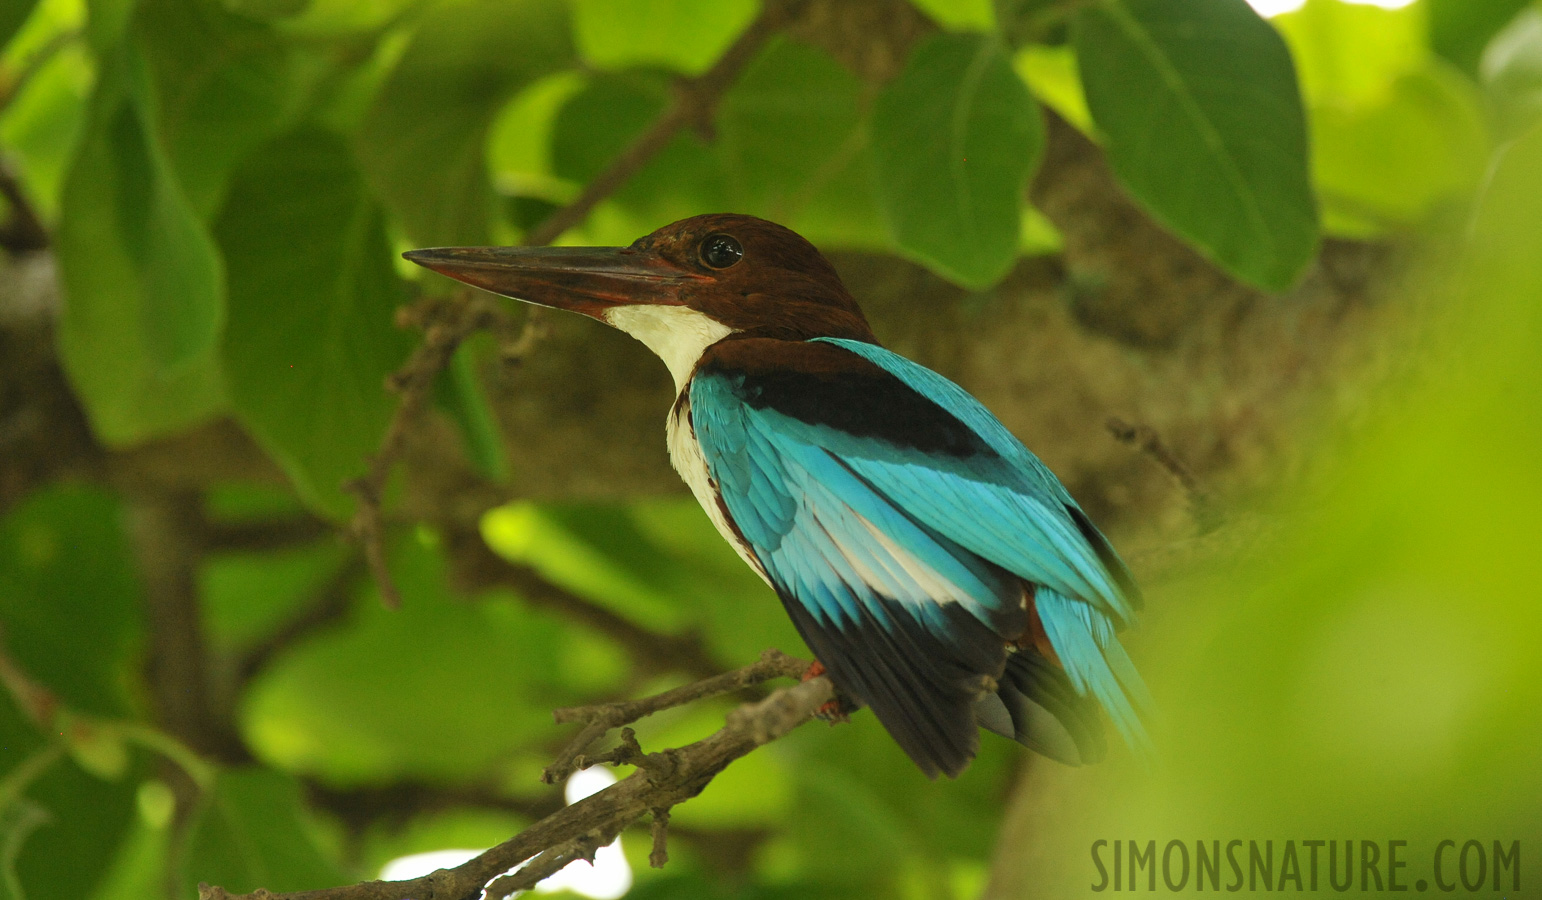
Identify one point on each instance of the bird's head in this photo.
(680, 289)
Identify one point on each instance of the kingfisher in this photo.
(940, 573)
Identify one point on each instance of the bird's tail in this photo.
(1035, 705)
(1096, 664)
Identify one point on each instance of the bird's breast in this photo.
(686, 456)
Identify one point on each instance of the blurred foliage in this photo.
(227, 182)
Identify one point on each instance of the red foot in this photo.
(831, 711)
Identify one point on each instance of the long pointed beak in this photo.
(587, 280)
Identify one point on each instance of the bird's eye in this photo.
(720, 251)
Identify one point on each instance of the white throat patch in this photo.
(678, 334)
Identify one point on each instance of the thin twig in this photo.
(577, 831)
(659, 830)
(445, 324)
(601, 718)
(694, 104)
(1145, 439)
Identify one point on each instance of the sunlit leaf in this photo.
(959, 15)
(423, 141)
(1053, 78)
(1350, 55)
(142, 276)
(41, 124)
(1391, 164)
(955, 138)
(685, 35)
(312, 293)
(251, 832)
(12, 15)
(1202, 122)
(441, 689)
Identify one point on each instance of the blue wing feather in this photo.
(857, 531)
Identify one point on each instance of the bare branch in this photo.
(600, 719)
(659, 855)
(695, 101)
(661, 781)
(445, 323)
(262, 535)
(1145, 439)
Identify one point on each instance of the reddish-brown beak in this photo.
(587, 280)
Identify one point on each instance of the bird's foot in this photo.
(832, 711)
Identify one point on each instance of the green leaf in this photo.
(312, 294)
(793, 143)
(1393, 164)
(463, 397)
(1202, 120)
(251, 833)
(1349, 55)
(89, 818)
(223, 85)
(42, 123)
(17, 822)
(267, 9)
(441, 689)
(69, 596)
(1512, 75)
(1054, 81)
(684, 179)
(141, 274)
(12, 15)
(1460, 29)
(684, 35)
(423, 141)
(959, 15)
(955, 138)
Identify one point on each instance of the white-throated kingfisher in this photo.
(940, 573)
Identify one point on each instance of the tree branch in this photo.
(601, 718)
(661, 781)
(447, 323)
(263, 535)
(1145, 439)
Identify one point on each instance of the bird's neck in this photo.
(679, 335)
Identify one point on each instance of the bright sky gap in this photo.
(609, 878)
(1277, 7)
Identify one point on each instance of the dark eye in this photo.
(720, 251)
